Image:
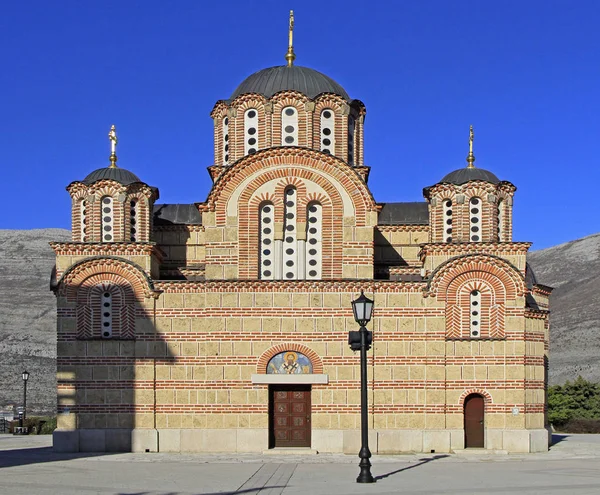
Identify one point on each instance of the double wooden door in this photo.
(289, 416)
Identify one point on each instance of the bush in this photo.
(581, 426)
(49, 426)
(572, 402)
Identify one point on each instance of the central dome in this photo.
(307, 81)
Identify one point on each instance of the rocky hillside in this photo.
(28, 317)
(28, 320)
(573, 269)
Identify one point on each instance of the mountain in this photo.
(28, 318)
(28, 315)
(573, 269)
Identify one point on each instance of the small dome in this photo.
(307, 81)
(117, 174)
(464, 175)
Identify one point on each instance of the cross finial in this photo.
(471, 156)
(112, 136)
(290, 56)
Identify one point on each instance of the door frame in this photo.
(289, 388)
(467, 399)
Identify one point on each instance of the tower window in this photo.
(107, 215)
(250, 131)
(351, 127)
(314, 225)
(475, 205)
(106, 319)
(475, 309)
(133, 220)
(328, 131)
(226, 141)
(501, 214)
(289, 127)
(447, 219)
(267, 244)
(290, 244)
(83, 220)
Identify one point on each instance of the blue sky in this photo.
(526, 74)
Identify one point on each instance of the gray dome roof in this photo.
(120, 175)
(307, 81)
(464, 175)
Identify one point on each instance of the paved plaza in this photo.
(28, 466)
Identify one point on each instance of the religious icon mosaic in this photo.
(289, 363)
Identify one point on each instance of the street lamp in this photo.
(361, 340)
(25, 378)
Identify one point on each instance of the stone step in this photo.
(476, 452)
(291, 451)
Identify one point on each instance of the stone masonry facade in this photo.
(169, 330)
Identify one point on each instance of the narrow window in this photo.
(351, 126)
(133, 219)
(250, 131)
(314, 226)
(107, 219)
(447, 219)
(290, 244)
(475, 310)
(289, 127)
(501, 211)
(83, 220)
(106, 321)
(267, 244)
(475, 219)
(226, 141)
(328, 131)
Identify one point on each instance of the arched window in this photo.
(475, 316)
(106, 318)
(289, 127)
(267, 242)
(290, 243)
(133, 220)
(501, 214)
(328, 131)
(83, 220)
(447, 219)
(226, 141)
(107, 219)
(475, 219)
(314, 226)
(250, 131)
(351, 127)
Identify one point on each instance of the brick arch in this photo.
(118, 270)
(492, 309)
(315, 359)
(487, 397)
(492, 267)
(248, 215)
(89, 307)
(269, 159)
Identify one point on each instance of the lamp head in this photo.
(25, 376)
(363, 309)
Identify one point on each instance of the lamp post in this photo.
(25, 378)
(361, 340)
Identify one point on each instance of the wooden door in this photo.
(474, 427)
(289, 416)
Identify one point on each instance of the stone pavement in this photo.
(28, 466)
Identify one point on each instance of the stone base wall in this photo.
(257, 440)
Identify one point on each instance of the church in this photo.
(222, 326)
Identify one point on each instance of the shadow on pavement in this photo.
(412, 466)
(236, 492)
(39, 455)
(558, 438)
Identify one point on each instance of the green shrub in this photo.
(49, 426)
(579, 400)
